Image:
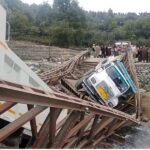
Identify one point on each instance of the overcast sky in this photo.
(103, 5)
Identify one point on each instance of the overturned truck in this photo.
(109, 83)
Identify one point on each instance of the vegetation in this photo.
(66, 24)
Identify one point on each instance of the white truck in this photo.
(109, 84)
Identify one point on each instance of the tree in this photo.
(66, 24)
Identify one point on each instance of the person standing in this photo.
(109, 51)
(94, 48)
(115, 51)
(97, 49)
(103, 51)
(140, 54)
(89, 50)
(106, 50)
(148, 55)
(100, 52)
(144, 54)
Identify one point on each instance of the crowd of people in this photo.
(104, 51)
(141, 53)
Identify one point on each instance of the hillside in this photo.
(66, 24)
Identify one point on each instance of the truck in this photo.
(109, 83)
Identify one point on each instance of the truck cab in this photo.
(110, 84)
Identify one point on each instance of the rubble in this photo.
(143, 74)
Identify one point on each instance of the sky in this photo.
(122, 6)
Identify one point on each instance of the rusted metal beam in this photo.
(65, 69)
(71, 144)
(6, 106)
(33, 124)
(55, 100)
(80, 133)
(43, 134)
(96, 142)
(80, 125)
(54, 113)
(81, 144)
(97, 130)
(105, 145)
(103, 123)
(117, 138)
(93, 126)
(15, 125)
(43, 137)
(63, 133)
(62, 122)
(108, 132)
(116, 126)
(135, 79)
(69, 86)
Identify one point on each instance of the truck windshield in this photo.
(117, 78)
(104, 90)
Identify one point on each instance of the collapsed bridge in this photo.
(73, 120)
